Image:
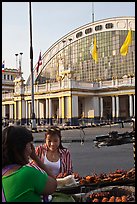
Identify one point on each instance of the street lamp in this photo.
(33, 120)
(16, 61)
(20, 79)
(20, 59)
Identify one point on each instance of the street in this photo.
(87, 158)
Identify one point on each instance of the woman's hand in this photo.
(38, 161)
(33, 153)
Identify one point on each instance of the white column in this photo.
(75, 106)
(26, 109)
(47, 108)
(60, 107)
(41, 108)
(113, 106)
(69, 111)
(3, 111)
(96, 106)
(23, 109)
(19, 107)
(63, 107)
(37, 108)
(134, 105)
(130, 106)
(101, 107)
(15, 110)
(11, 111)
(117, 106)
(29, 109)
(50, 108)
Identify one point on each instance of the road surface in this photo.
(87, 158)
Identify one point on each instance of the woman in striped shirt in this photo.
(52, 153)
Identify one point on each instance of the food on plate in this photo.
(95, 200)
(111, 199)
(115, 175)
(123, 198)
(75, 174)
(118, 199)
(90, 178)
(104, 199)
(131, 173)
(116, 179)
(82, 181)
(66, 181)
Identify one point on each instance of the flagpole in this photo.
(92, 12)
(33, 120)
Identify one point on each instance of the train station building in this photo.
(84, 76)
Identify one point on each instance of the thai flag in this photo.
(39, 63)
(3, 66)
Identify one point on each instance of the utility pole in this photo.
(70, 39)
(33, 119)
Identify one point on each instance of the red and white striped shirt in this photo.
(65, 158)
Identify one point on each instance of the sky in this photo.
(50, 22)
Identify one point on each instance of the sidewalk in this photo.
(86, 134)
(43, 128)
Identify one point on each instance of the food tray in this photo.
(111, 183)
(129, 191)
(80, 188)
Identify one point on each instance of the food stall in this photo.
(117, 186)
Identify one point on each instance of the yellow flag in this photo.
(127, 42)
(93, 50)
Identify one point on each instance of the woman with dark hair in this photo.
(20, 181)
(52, 153)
